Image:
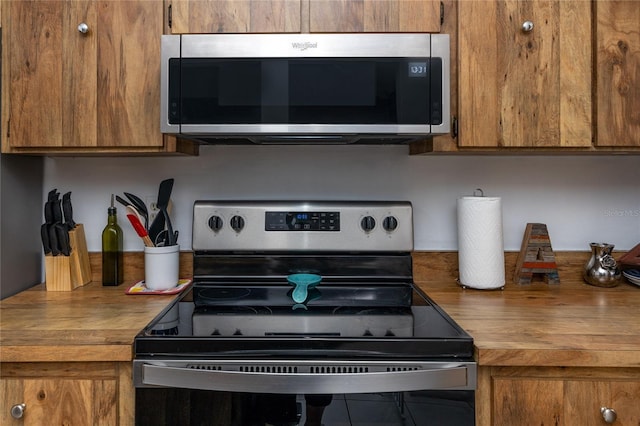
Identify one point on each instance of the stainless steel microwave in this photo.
(305, 88)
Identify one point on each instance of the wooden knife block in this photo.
(66, 273)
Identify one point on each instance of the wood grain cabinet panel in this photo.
(235, 16)
(527, 402)
(68, 91)
(62, 394)
(618, 73)
(562, 397)
(525, 88)
(374, 16)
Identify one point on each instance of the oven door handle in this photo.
(460, 377)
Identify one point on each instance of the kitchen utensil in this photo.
(67, 210)
(122, 201)
(602, 270)
(140, 206)
(55, 235)
(62, 235)
(158, 223)
(136, 222)
(44, 235)
(303, 283)
(164, 194)
(56, 209)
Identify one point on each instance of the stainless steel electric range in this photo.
(304, 313)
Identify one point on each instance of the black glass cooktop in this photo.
(407, 325)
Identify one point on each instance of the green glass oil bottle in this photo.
(112, 241)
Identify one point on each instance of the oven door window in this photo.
(391, 91)
(182, 406)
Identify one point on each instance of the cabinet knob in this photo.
(527, 26)
(608, 414)
(83, 28)
(17, 411)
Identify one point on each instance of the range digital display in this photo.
(302, 221)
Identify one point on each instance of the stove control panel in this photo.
(302, 221)
(302, 226)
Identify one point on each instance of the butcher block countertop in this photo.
(90, 323)
(570, 324)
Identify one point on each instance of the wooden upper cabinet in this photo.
(374, 16)
(295, 16)
(68, 91)
(618, 73)
(235, 16)
(525, 88)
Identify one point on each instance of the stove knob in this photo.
(215, 223)
(237, 223)
(390, 223)
(368, 223)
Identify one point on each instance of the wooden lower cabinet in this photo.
(74, 393)
(516, 396)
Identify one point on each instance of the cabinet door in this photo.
(235, 16)
(586, 398)
(59, 401)
(128, 74)
(49, 100)
(527, 402)
(520, 88)
(69, 91)
(618, 73)
(374, 16)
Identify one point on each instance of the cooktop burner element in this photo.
(280, 321)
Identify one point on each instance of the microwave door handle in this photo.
(452, 378)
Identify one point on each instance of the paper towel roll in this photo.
(480, 243)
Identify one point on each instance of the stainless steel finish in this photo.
(307, 377)
(440, 49)
(351, 236)
(83, 28)
(288, 130)
(170, 49)
(305, 45)
(601, 269)
(527, 26)
(609, 415)
(300, 46)
(17, 411)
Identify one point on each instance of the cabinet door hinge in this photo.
(9, 127)
(169, 15)
(454, 126)
(441, 13)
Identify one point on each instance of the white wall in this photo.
(580, 198)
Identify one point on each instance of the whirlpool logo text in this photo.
(304, 46)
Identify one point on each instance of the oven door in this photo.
(254, 392)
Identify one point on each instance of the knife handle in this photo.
(67, 210)
(44, 234)
(56, 209)
(63, 239)
(53, 240)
